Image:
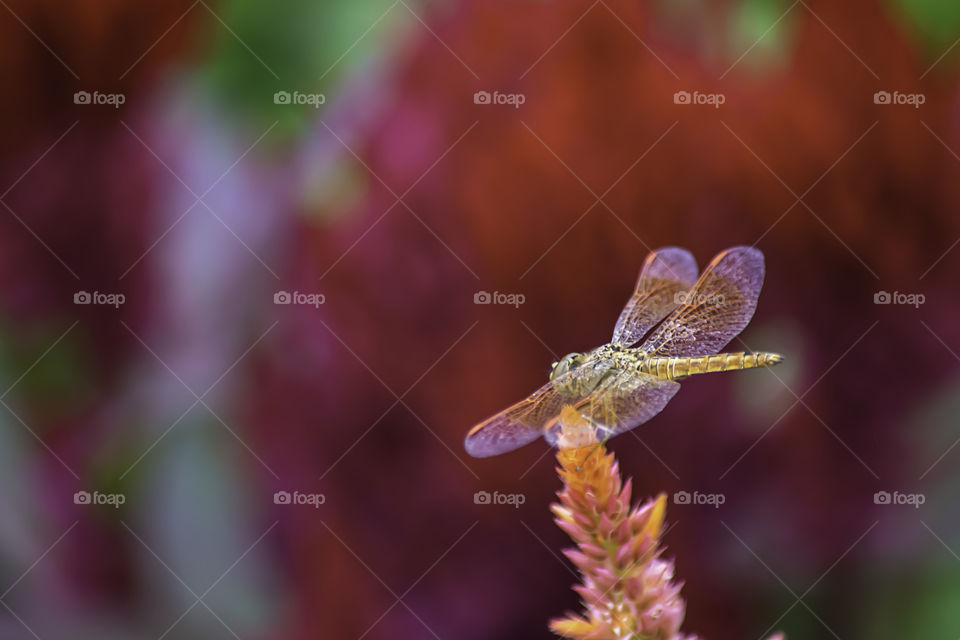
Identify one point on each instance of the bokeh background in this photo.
(397, 199)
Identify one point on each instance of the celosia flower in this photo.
(628, 590)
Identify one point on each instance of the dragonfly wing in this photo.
(517, 425)
(621, 403)
(715, 310)
(665, 273)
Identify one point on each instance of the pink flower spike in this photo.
(627, 589)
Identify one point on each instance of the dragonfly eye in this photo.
(567, 363)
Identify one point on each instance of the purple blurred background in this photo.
(240, 248)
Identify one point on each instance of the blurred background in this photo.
(240, 246)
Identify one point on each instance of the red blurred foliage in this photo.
(501, 205)
(77, 183)
(880, 210)
(77, 189)
(52, 49)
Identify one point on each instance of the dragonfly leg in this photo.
(587, 457)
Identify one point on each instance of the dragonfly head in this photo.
(566, 363)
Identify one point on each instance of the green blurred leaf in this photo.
(920, 605)
(764, 28)
(60, 374)
(937, 21)
(300, 45)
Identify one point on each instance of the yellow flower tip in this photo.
(582, 462)
(655, 521)
(569, 460)
(575, 628)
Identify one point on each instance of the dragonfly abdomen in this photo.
(672, 368)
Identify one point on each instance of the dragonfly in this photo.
(686, 321)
